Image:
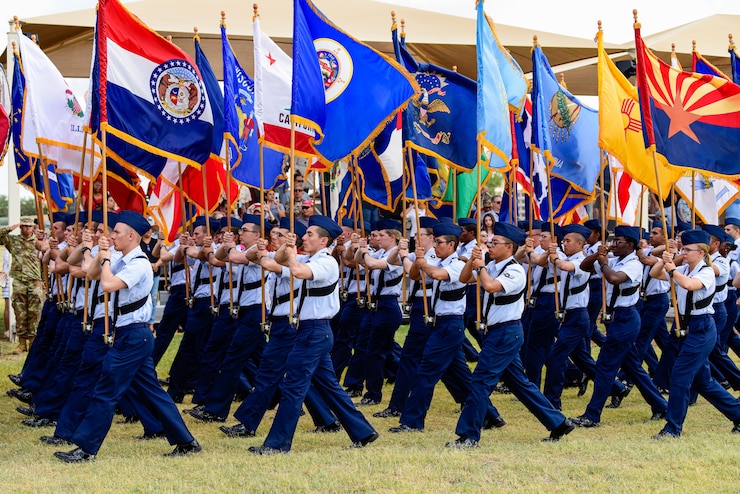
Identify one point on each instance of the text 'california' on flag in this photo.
(150, 95)
(342, 88)
(273, 80)
(53, 119)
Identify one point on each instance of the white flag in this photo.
(624, 198)
(273, 79)
(711, 195)
(52, 117)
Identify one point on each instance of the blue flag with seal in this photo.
(240, 127)
(360, 88)
(441, 122)
(564, 130)
(61, 186)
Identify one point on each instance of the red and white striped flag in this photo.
(624, 198)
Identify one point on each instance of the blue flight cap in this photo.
(631, 232)
(511, 232)
(695, 236)
(254, 219)
(682, 226)
(576, 228)
(714, 230)
(593, 225)
(235, 222)
(388, 224)
(445, 219)
(645, 234)
(659, 224)
(326, 223)
(556, 228)
(135, 220)
(467, 221)
(728, 238)
(732, 221)
(447, 229)
(428, 222)
(348, 222)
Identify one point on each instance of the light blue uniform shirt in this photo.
(708, 281)
(281, 287)
(431, 257)
(578, 278)
(391, 276)
(723, 265)
(650, 285)
(250, 276)
(514, 280)
(591, 249)
(734, 269)
(466, 250)
(454, 266)
(92, 294)
(176, 278)
(325, 272)
(632, 267)
(135, 270)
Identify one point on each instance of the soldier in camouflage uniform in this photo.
(28, 292)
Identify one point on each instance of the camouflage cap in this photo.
(28, 221)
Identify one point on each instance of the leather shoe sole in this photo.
(74, 456)
(558, 432)
(185, 449)
(364, 442)
(238, 430)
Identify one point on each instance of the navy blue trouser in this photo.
(723, 334)
(174, 316)
(128, 364)
(718, 358)
(594, 308)
(269, 376)
(187, 360)
(35, 378)
(248, 341)
(84, 381)
(499, 359)
(691, 368)
(350, 319)
(652, 320)
(384, 323)
(51, 397)
(309, 362)
(214, 352)
(42, 342)
(543, 327)
(354, 379)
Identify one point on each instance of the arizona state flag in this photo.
(693, 120)
(620, 128)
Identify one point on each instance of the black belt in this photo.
(453, 295)
(177, 269)
(284, 298)
(719, 288)
(133, 306)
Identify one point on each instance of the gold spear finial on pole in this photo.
(562, 80)
(403, 28)
(673, 48)
(16, 22)
(255, 13)
(693, 45)
(195, 33)
(14, 47)
(223, 18)
(454, 68)
(169, 38)
(732, 42)
(637, 25)
(535, 40)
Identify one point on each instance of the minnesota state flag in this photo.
(693, 120)
(620, 128)
(343, 89)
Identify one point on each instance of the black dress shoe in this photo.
(147, 436)
(493, 423)
(239, 430)
(583, 421)
(185, 449)
(28, 411)
(736, 429)
(664, 434)
(403, 428)
(658, 416)
(265, 451)
(15, 379)
(558, 432)
(54, 440)
(387, 413)
(364, 442)
(367, 402)
(131, 419)
(617, 399)
(462, 443)
(206, 416)
(164, 382)
(354, 393)
(194, 409)
(582, 385)
(37, 421)
(322, 429)
(74, 456)
(21, 395)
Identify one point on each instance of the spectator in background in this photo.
(277, 210)
(496, 206)
(112, 205)
(307, 210)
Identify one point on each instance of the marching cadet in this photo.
(282, 338)
(504, 281)
(248, 339)
(574, 321)
(309, 360)
(695, 284)
(623, 273)
(443, 354)
(595, 292)
(128, 364)
(200, 318)
(728, 250)
(385, 314)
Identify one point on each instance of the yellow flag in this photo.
(620, 128)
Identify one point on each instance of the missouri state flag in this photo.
(342, 88)
(693, 120)
(150, 95)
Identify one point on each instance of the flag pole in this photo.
(604, 216)
(693, 199)
(186, 268)
(359, 214)
(107, 338)
(358, 201)
(293, 316)
(552, 238)
(480, 325)
(207, 212)
(531, 218)
(409, 155)
(89, 219)
(404, 186)
(227, 160)
(263, 324)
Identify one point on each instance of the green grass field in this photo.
(619, 456)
